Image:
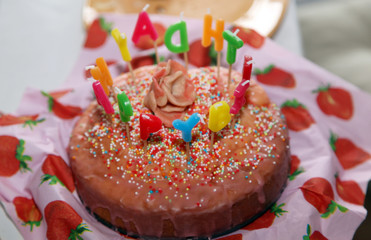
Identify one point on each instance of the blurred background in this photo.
(335, 34)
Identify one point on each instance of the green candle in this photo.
(183, 46)
(126, 110)
(234, 43)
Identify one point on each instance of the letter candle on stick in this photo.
(96, 73)
(126, 110)
(121, 41)
(241, 89)
(234, 43)
(102, 99)
(186, 128)
(144, 26)
(183, 47)
(208, 32)
(219, 117)
(148, 124)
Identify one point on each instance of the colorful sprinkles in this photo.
(163, 171)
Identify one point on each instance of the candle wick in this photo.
(245, 82)
(123, 35)
(250, 62)
(146, 7)
(235, 32)
(117, 90)
(89, 67)
(208, 11)
(181, 16)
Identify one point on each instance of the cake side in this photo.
(162, 194)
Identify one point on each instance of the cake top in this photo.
(162, 172)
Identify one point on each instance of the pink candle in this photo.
(144, 26)
(242, 87)
(102, 98)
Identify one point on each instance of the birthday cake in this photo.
(152, 188)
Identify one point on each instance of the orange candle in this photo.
(208, 32)
(102, 65)
(97, 75)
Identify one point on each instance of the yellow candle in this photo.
(219, 116)
(208, 32)
(121, 41)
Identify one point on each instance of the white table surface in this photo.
(40, 40)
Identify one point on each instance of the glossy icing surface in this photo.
(158, 191)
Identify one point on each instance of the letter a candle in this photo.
(241, 89)
(183, 47)
(219, 117)
(186, 128)
(121, 41)
(234, 43)
(208, 32)
(126, 110)
(144, 26)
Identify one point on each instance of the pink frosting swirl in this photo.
(170, 93)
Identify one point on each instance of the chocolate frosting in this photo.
(159, 192)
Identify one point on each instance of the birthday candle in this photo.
(102, 65)
(96, 73)
(219, 116)
(187, 126)
(148, 124)
(144, 26)
(121, 41)
(246, 75)
(242, 87)
(208, 32)
(183, 46)
(234, 43)
(126, 110)
(102, 98)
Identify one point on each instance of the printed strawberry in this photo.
(335, 102)
(57, 171)
(30, 120)
(313, 236)
(60, 93)
(27, 211)
(249, 36)
(349, 191)
(63, 222)
(97, 33)
(295, 169)
(11, 156)
(232, 237)
(60, 110)
(318, 192)
(146, 42)
(297, 116)
(137, 62)
(87, 73)
(267, 219)
(198, 55)
(275, 76)
(348, 154)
